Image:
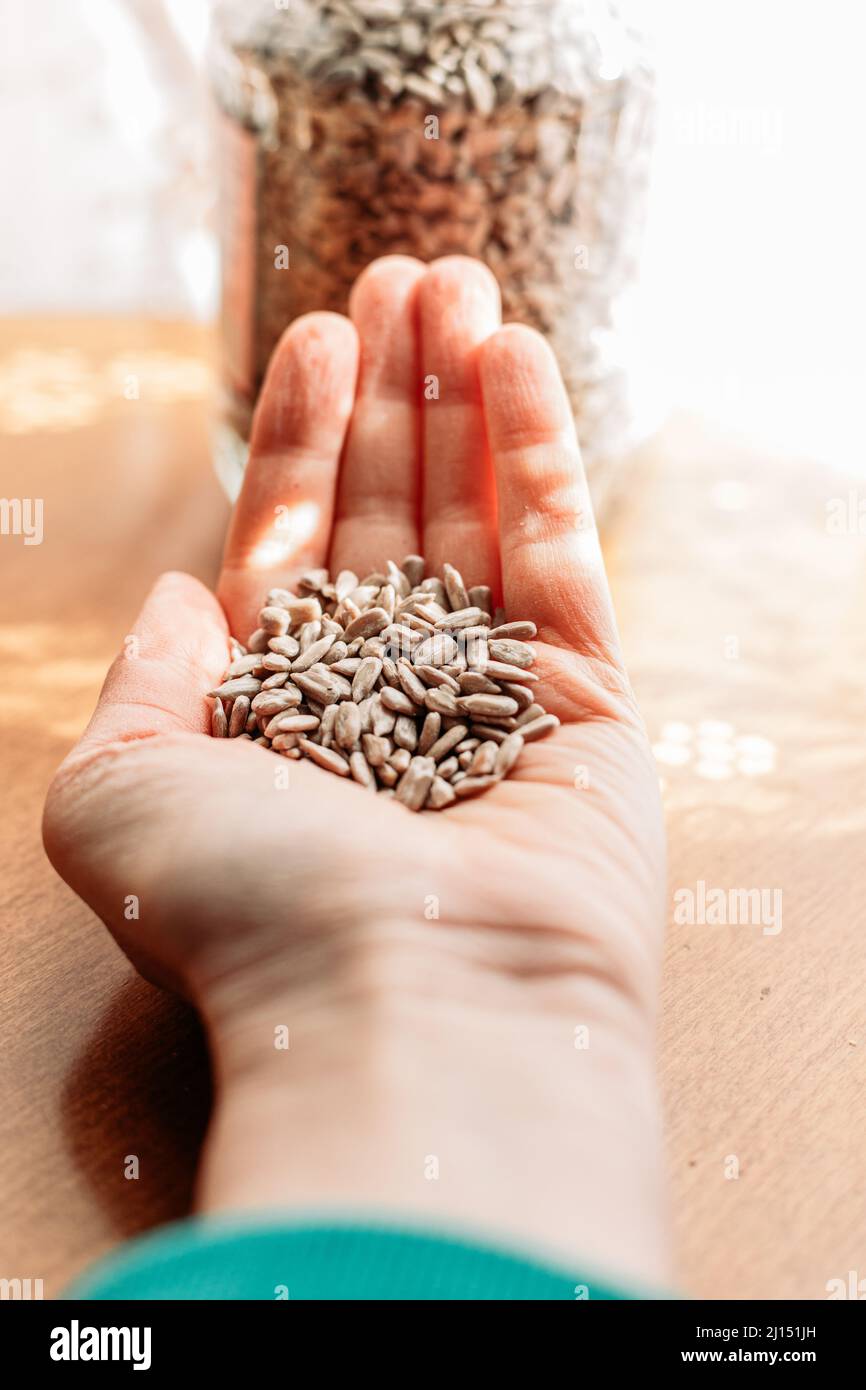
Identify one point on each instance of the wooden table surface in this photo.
(743, 621)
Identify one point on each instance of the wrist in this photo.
(416, 1082)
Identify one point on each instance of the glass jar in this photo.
(515, 132)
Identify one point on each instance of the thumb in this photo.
(176, 651)
(97, 828)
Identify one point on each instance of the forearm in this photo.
(423, 1089)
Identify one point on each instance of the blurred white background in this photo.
(752, 302)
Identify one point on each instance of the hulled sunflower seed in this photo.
(240, 685)
(389, 672)
(480, 596)
(347, 667)
(308, 633)
(411, 683)
(521, 693)
(328, 719)
(427, 611)
(420, 626)
(387, 600)
(370, 681)
(313, 653)
(362, 597)
(347, 724)
(442, 701)
(473, 786)
(413, 568)
(383, 720)
(415, 783)
(475, 683)
(509, 650)
(285, 743)
(406, 732)
(283, 646)
(365, 677)
(368, 624)
(400, 759)
(504, 671)
(275, 621)
(433, 676)
(360, 769)
(430, 731)
(437, 589)
(244, 666)
(537, 728)
(303, 610)
(519, 631)
(476, 651)
(490, 731)
(239, 715)
(464, 618)
(482, 706)
(325, 757)
(365, 709)
(280, 598)
(467, 745)
(440, 795)
(313, 579)
(455, 588)
(398, 579)
(273, 701)
(401, 639)
(377, 750)
(397, 700)
(272, 661)
(291, 724)
(447, 742)
(483, 760)
(435, 651)
(507, 754)
(532, 711)
(345, 584)
(219, 725)
(319, 688)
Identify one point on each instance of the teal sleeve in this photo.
(206, 1259)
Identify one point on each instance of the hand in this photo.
(432, 969)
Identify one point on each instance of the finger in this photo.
(378, 494)
(177, 650)
(282, 521)
(459, 308)
(552, 569)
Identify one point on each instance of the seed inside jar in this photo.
(515, 132)
(426, 714)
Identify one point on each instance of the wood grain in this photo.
(96, 1065)
(763, 1044)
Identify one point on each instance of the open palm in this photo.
(417, 424)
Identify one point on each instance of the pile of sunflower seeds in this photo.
(515, 132)
(403, 683)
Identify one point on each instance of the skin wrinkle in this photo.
(552, 518)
